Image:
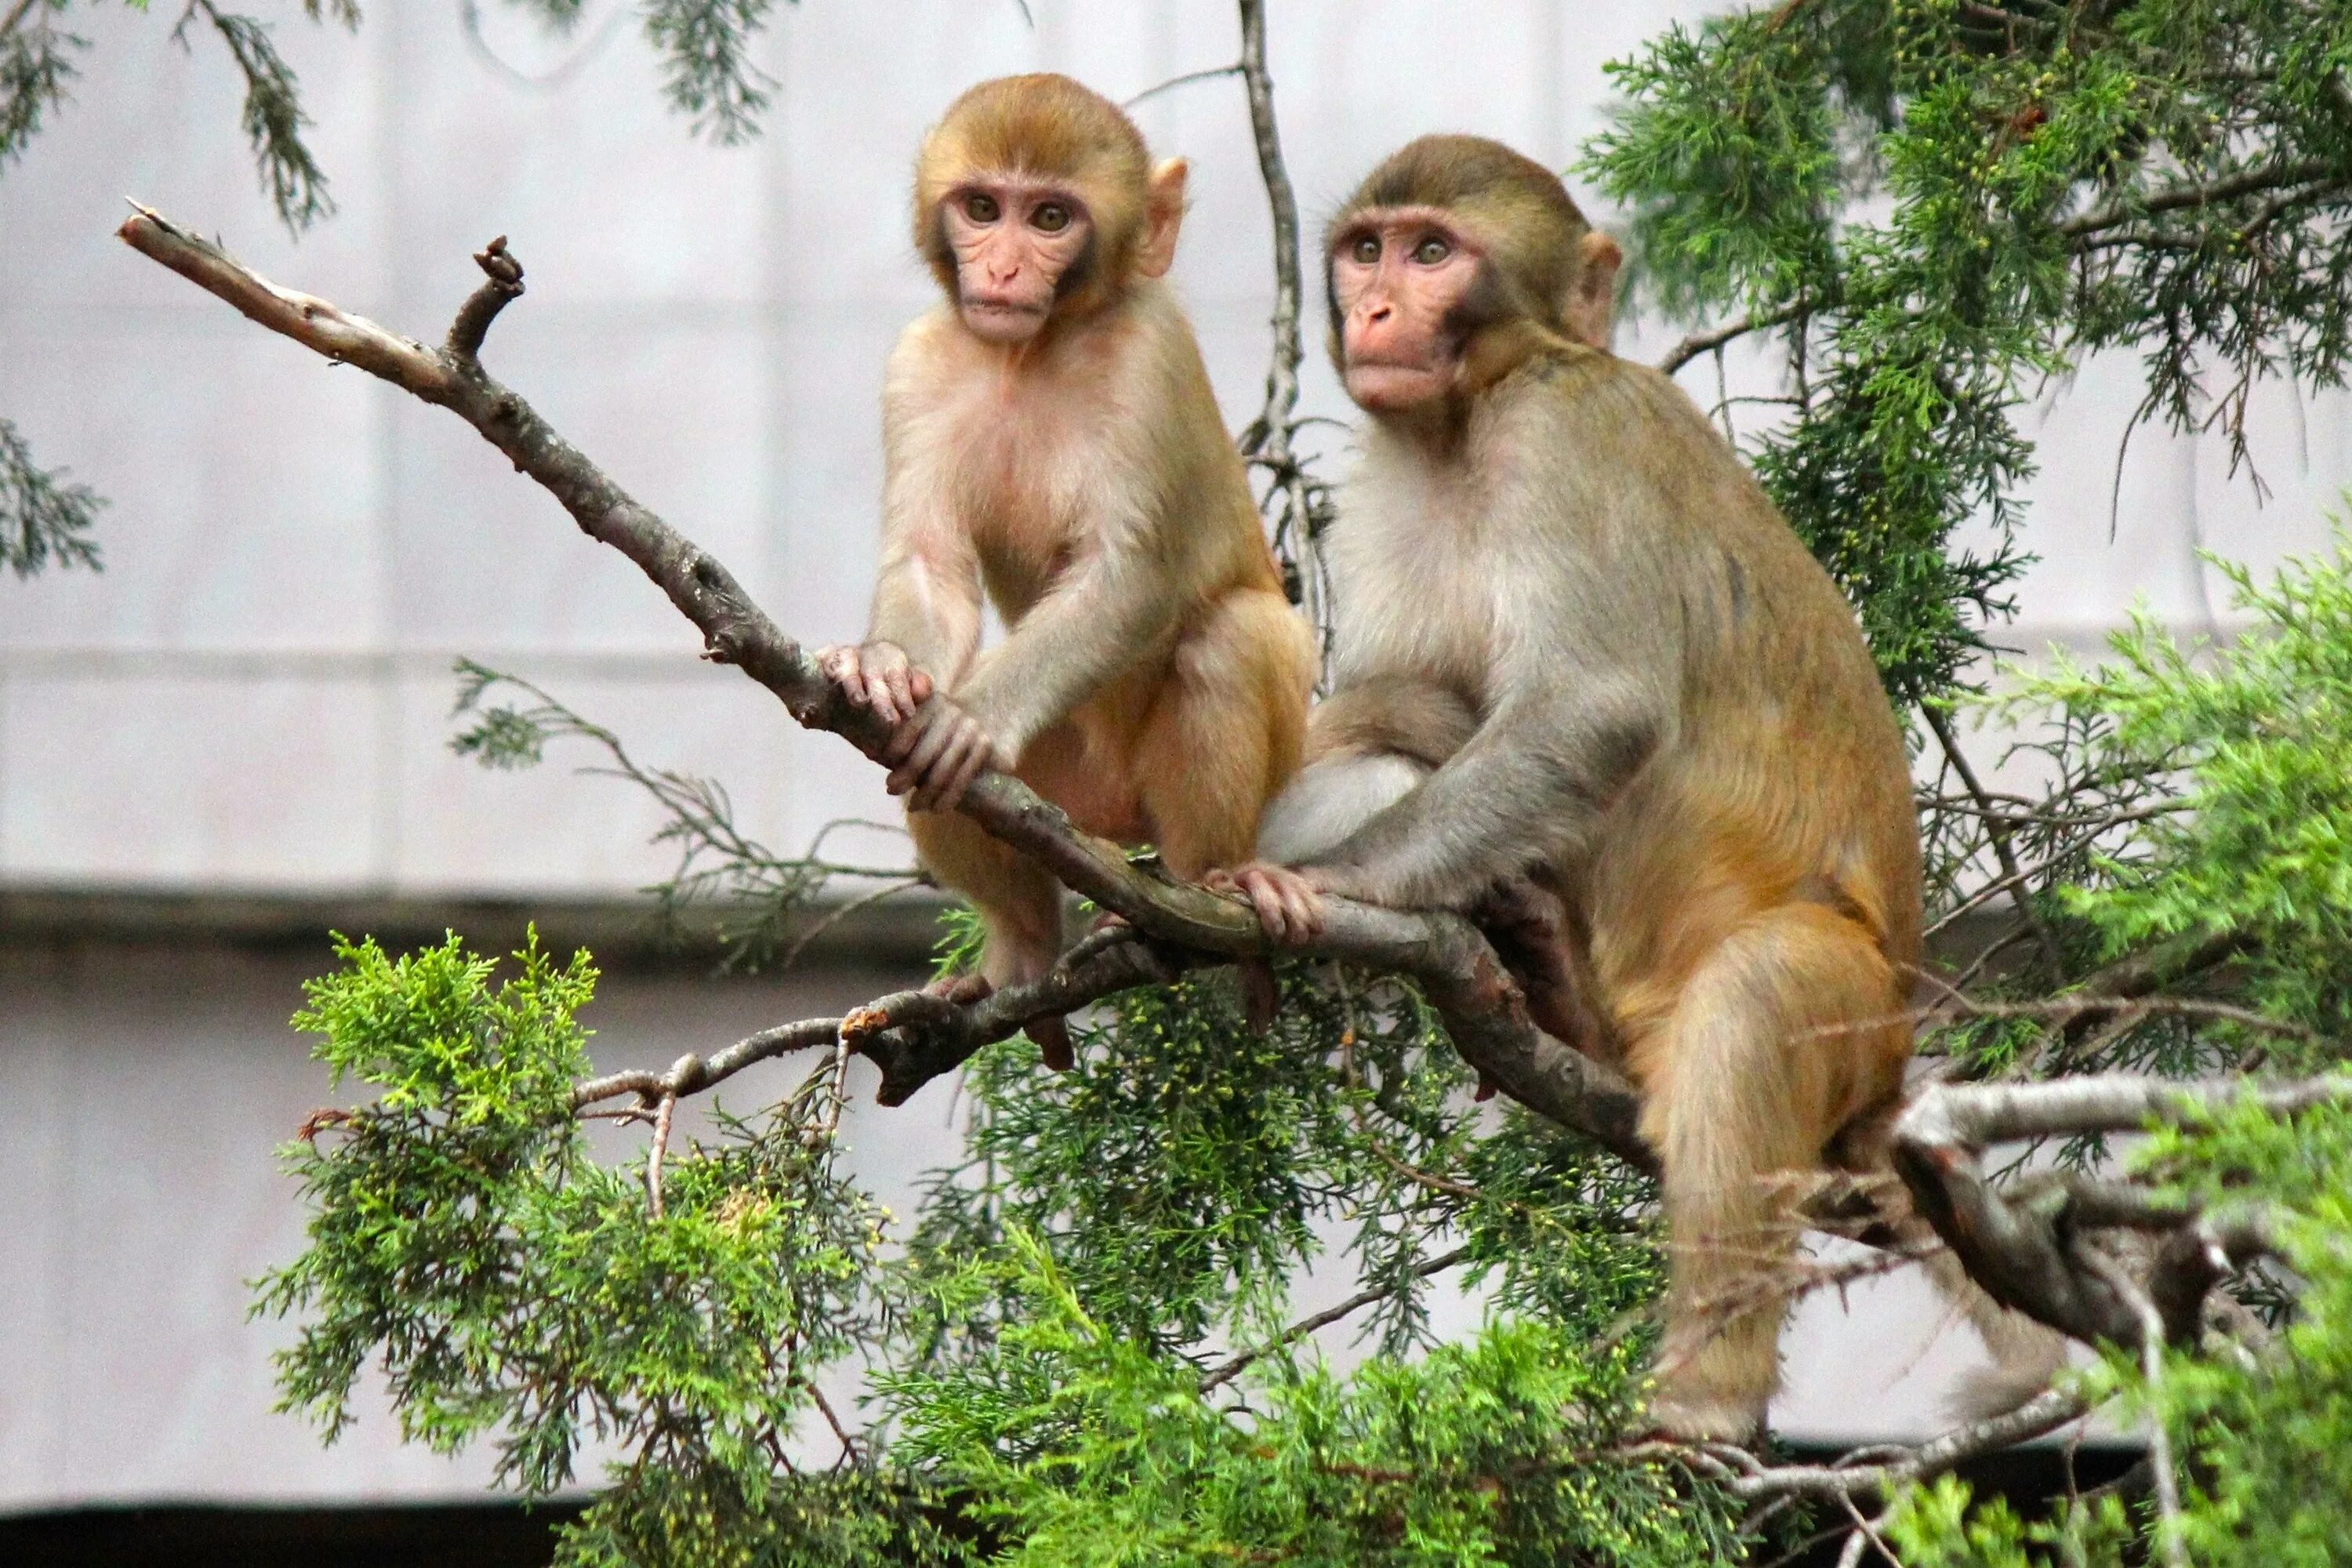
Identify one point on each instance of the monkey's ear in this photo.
(1163, 213)
(1591, 313)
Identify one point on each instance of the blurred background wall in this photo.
(234, 736)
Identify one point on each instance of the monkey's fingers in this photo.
(912, 731)
(960, 765)
(918, 773)
(839, 663)
(1267, 896)
(894, 688)
(1304, 908)
(919, 687)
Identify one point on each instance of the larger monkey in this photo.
(1050, 436)
(1577, 642)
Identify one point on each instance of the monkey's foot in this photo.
(1287, 903)
(1052, 1035)
(962, 990)
(1538, 943)
(1692, 1418)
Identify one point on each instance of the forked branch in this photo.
(1181, 925)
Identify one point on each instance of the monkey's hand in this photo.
(1288, 899)
(936, 754)
(876, 675)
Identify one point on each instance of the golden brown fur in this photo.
(1577, 642)
(1154, 679)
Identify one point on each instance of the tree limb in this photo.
(2021, 1248)
(1743, 1475)
(1484, 1013)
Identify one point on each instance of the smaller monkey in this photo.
(1050, 439)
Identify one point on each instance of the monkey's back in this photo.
(1786, 776)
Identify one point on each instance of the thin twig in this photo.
(1324, 1318)
(663, 1117)
(2159, 1440)
(2246, 182)
(1187, 79)
(1996, 830)
(1714, 338)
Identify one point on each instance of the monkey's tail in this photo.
(2026, 1354)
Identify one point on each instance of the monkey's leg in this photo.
(1224, 734)
(1019, 903)
(1787, 1028)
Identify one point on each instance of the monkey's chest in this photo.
(1444, 617)
(1024, 505)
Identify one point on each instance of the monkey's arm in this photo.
(927, 599)
(1094, 622)
(1528, 786)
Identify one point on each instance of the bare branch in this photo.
(2317, 171)
(1744, 1475)
(2159, 1440)
(1187, 79)
(2021, 1252)
(1485, 1011)
(1323, 1320)
(1714, 338)
(502, 284)
(664, 1115)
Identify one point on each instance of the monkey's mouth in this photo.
(1006, 309)
(1004, 320)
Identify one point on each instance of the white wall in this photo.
(254, 692)
(254, 695)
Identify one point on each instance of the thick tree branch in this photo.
(2021, 1248)
(916, 1040)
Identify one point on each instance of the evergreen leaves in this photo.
(42, 517)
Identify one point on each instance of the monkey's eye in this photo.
(1051, 217)
(982, 208)
(1432, 250)
(1367, 250)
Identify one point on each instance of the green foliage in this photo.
(37, 68)
(1937, 205)
(510, 1286)
(42, 517)
(2251, 740)
(1081, 1446)
(708, 70)
(1935, 1526)
(273, 116)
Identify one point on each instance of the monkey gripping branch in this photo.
(2024, 1244)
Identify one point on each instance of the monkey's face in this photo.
(1016, 242)
(1400, 278)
